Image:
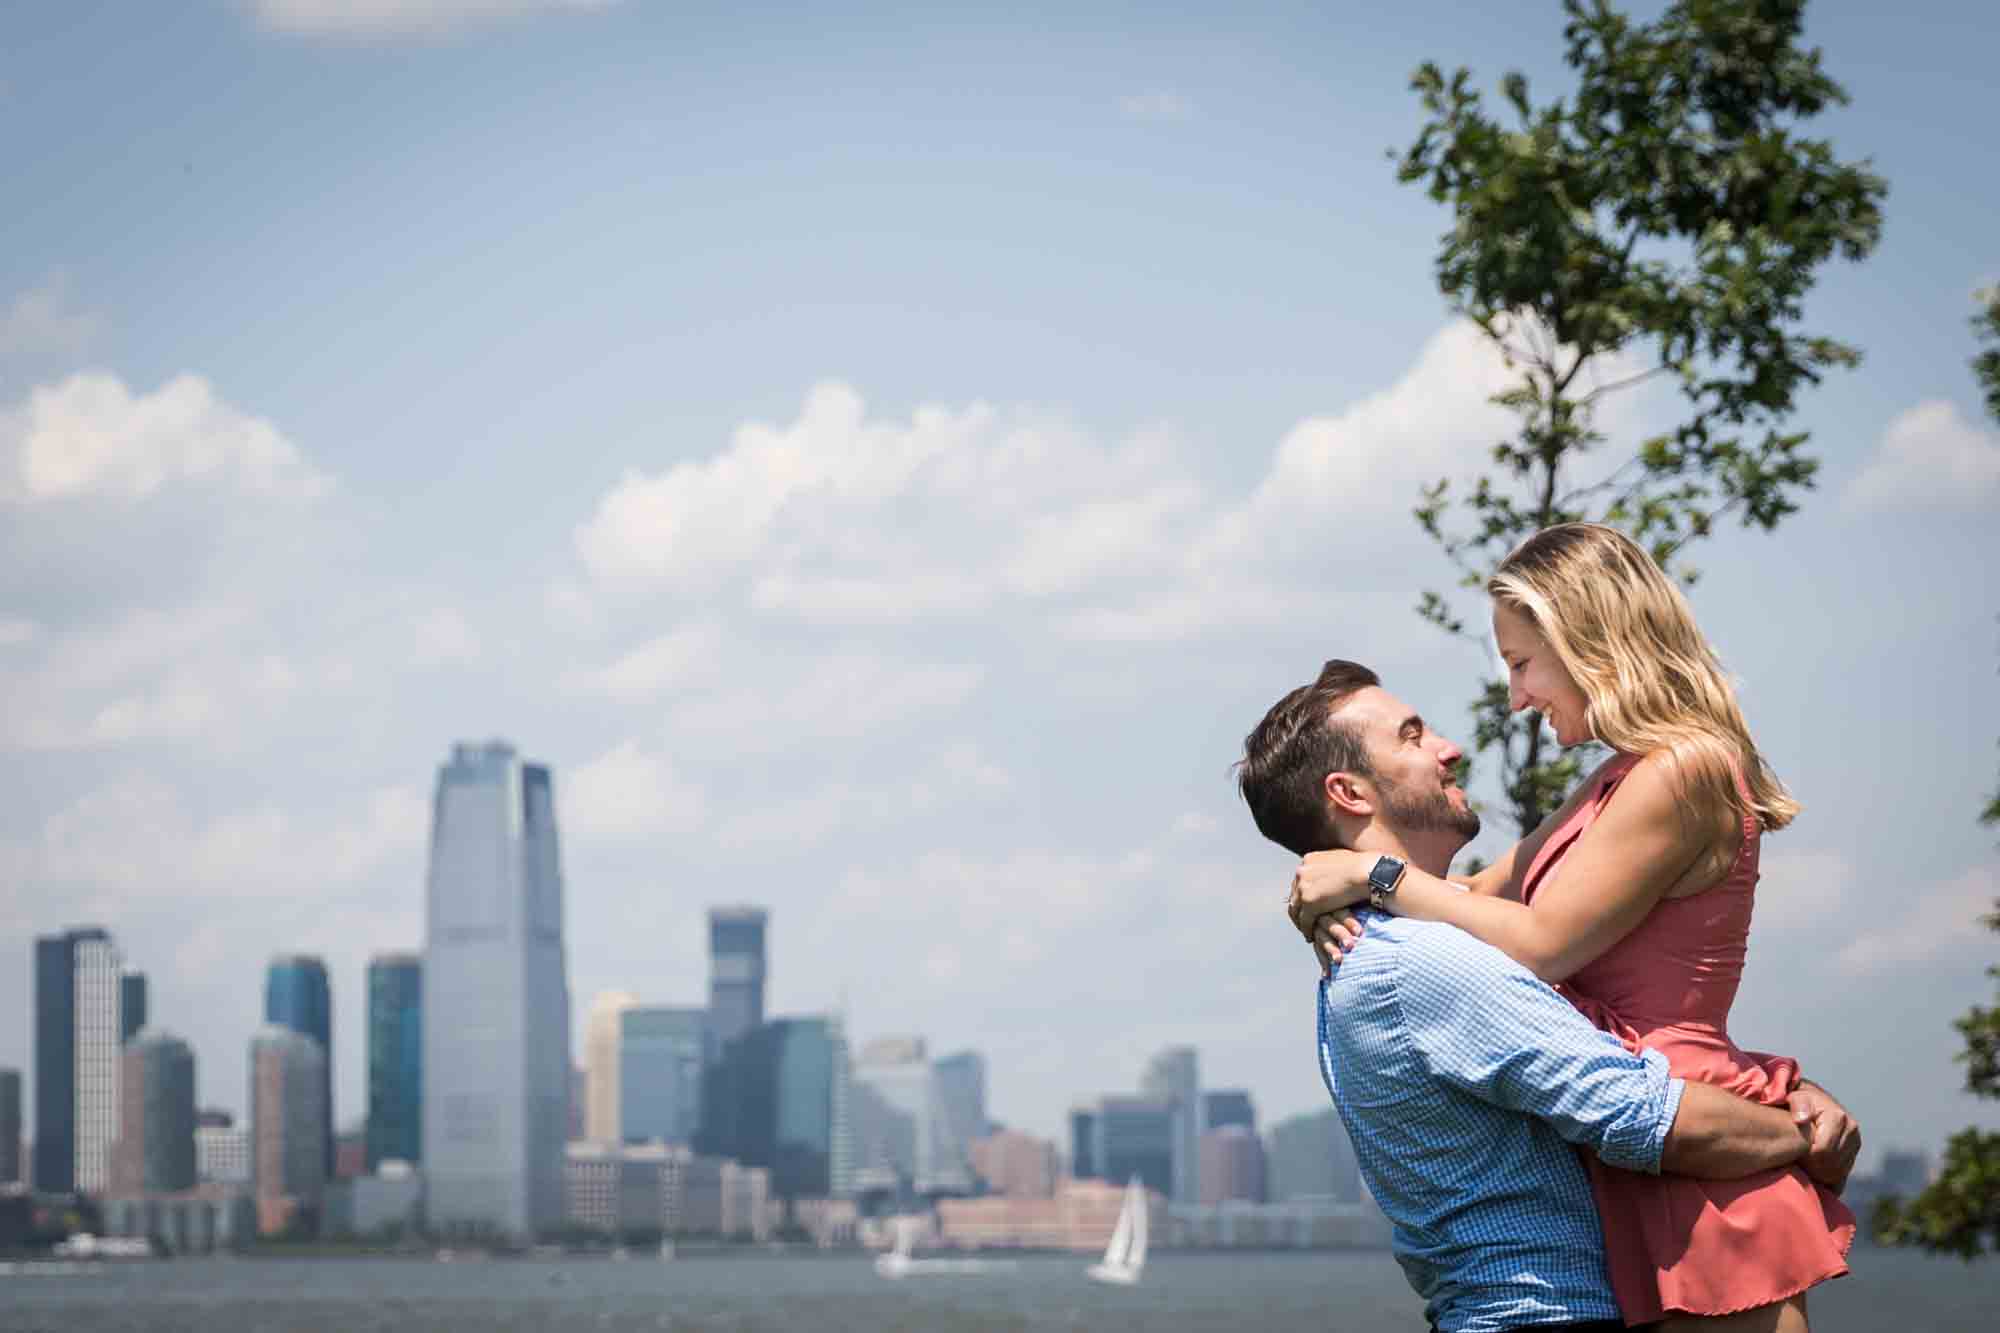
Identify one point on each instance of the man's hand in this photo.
(1836, 1137)
(1326, 882)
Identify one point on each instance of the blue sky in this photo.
(885, 460)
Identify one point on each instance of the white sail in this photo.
(1125, 1253)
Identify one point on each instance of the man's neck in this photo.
(1430, 853)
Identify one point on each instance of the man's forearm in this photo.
(1720, 1136)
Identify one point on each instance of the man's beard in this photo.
(1408, 811)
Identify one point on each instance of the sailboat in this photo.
(1125, 1255)
(898, 1263)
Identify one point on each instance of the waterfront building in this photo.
(496, 1060)
(1173, 1077)
(395, 1129)
(1232, 1166)
(1228, 1106)
(287, 1129)
(778, 1097)
(298, 996)
(602, 1036)
(221, 1154)
(735, 971)
(1136, 1136)
(198, 1221)
(577, 1101)
(1083, 1143)
(1310, 1156)
(155, 1151)
(10, 1126)
(1079, 1216)
(79, 1028)
(386, 1203)
(661, 1054)
(1014, 1163)
(962, 1089)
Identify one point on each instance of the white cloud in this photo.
(1156, 105)
(1803, 891)
(40, 322)
(1931, 457)
(839, 693)
(1925, 924)
(15, 631)
(627, 792)
(91, 436)
(389, 18)
(684, 655)
(959, 778)
(443, 637)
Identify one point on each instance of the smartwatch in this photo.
(1382, 881)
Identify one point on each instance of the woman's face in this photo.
(1536, 677)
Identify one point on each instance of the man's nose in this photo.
(1448, 753)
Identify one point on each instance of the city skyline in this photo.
(885, 478)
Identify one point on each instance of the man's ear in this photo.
(1349, 795)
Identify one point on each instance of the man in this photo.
(1461, 1078)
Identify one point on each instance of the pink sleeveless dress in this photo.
(1674, 1244)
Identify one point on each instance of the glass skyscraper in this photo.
(1174, 1077)
(79, 995)
(395, 1058)
(496, 1063)
(778, 1098)
(297, 996)
(661, 1055)
(735, 970)
(1134, 1136)
(10, 1126)
(154, 1153)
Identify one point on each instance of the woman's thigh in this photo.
(1783, 1317)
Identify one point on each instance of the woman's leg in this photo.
(1783, 1317)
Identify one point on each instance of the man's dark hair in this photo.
(1287, 756)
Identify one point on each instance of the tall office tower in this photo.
(1174, 1077)
(735, 970)
(10, 1126)
(78, 1026)
(395, 1128)
(962, 1085)
(287, 1128)
(298, 996)
(601, 1036)
(904, 1135)
(661, 1053)
(1228, 1106)
(1136, 1136)
(131, 1005)
(778, 1098)
(1310, 1155)
(1083, 1143)
(496, 999)
(155, 1151)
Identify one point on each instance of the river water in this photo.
(1350, 1292)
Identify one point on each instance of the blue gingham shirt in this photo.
(1463, 1081)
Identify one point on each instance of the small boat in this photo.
(898, 1263)
(1125, 1255)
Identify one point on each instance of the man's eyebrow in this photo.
(1411, 723)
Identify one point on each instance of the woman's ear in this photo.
(1350, 795)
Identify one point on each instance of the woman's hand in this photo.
(1333, 938)
(1326, 882)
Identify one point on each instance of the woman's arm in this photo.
(1502, 879)
(1617, 871)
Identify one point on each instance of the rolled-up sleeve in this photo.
(1484, 1024)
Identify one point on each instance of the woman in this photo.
(1636, 896)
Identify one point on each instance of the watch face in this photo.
(1385, 874)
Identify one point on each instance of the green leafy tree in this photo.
(1959, 1212)
(1664, 222)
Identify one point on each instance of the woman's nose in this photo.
(1516, 700)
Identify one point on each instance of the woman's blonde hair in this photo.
(1651, 682)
